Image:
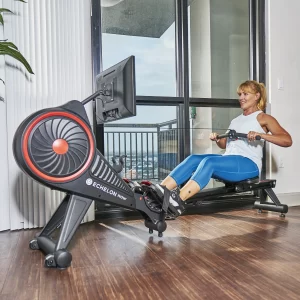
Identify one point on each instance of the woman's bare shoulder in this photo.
(265, 118)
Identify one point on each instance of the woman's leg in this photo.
(178, 176)
(184, 170)
(227, 167)
(190, 189)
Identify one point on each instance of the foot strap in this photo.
(166, 200)
(164, 196)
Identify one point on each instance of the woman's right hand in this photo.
(214, 136)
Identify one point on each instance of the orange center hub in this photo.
(60, 146)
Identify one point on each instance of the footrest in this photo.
(164, 199)
(151, 199)
(153, 205)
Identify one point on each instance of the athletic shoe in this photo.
(171, 201)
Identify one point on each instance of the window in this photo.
(219, 62)
(145, 29)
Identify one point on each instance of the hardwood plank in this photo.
(8, 244)
(24, 269)
(28, 294)
(227, 255)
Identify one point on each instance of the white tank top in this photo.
(241, 146)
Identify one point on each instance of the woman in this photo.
(242, 158)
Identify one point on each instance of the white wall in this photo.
(283, 62)
(55, 37)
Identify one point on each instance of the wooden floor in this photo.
(227, 255)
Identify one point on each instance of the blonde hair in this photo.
(253, 87)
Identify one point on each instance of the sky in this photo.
(155, 70)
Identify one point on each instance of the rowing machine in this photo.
(56, 147)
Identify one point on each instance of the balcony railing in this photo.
(150, 150)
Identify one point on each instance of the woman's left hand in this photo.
(252, 135)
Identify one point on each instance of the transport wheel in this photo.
(49, 261)
(33, 245)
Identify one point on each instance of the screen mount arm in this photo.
(95, 95)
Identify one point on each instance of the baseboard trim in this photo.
(290, 199)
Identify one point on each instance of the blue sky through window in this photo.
(155, 69)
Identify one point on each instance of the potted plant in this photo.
(8, 48)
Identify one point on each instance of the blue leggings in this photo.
(201, 168)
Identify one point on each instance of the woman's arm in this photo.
(279, 136)
(220, 142)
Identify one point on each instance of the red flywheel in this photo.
(58, 146)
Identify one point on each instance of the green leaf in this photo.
(1, 11)
(7, 50)
(5, 10)
(8, 44)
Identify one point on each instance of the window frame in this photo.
(257, 69)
